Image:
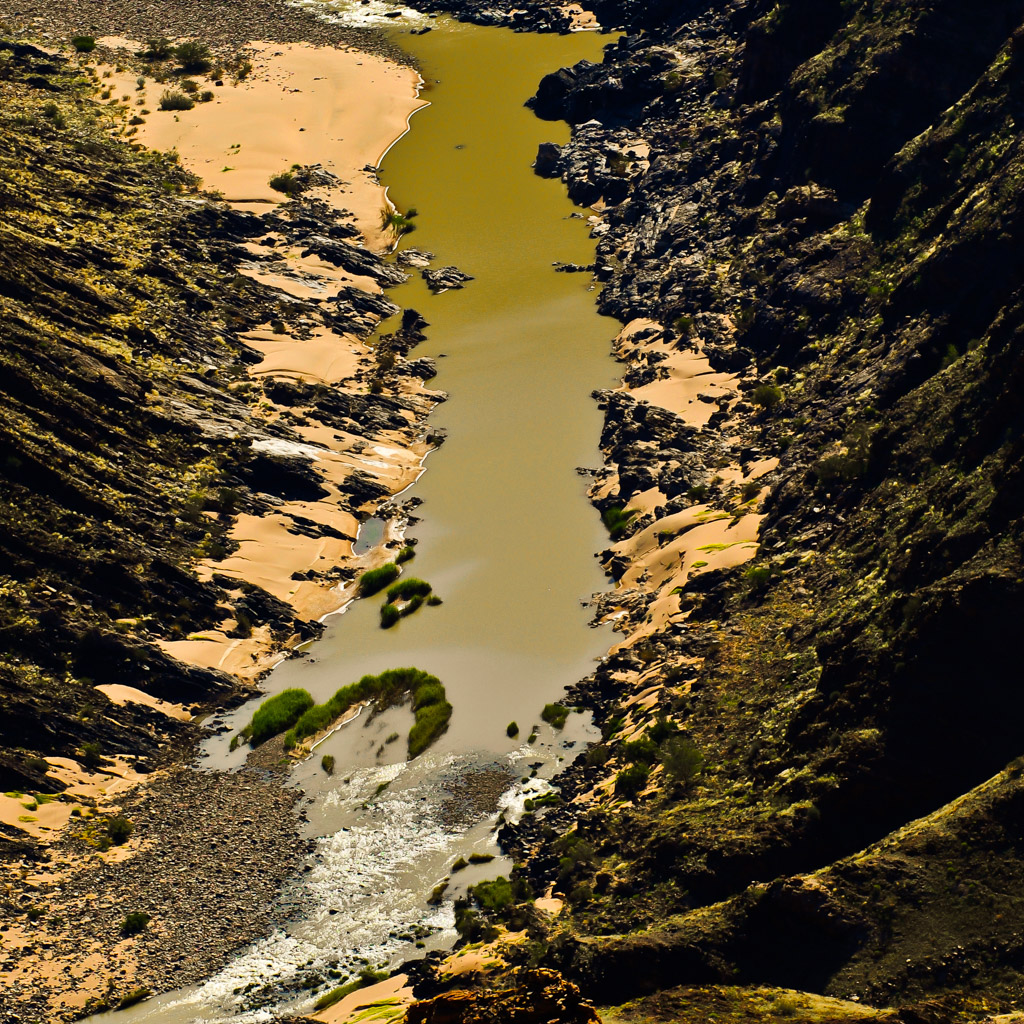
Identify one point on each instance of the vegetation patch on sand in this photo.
(275, 715)
(403, 598)
(395, 686)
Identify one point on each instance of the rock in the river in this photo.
(443, 278)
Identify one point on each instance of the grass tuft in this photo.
(277, 714)
(377, 579)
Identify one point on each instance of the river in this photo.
(506, 537)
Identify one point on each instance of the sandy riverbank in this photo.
(337, 110)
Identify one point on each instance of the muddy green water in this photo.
(506, 535)
(507, 538)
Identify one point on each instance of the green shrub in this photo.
(544, 800)
(460, 864)
(327, 763)
(631, 781)
(405, 554)
(406, 590)
(616, 520)
(429, 692)
(412, 606)
(37, 764)
(119, 829)
(493, 896)
(174, 99)
(277, 714)
(84, 44)
(134, 923)
(286, 183)
(389, 615)
(682, 759)
(430, 723)
(135, 996)
(662, 729)
(555, 714)
(158, 49)
(481, 858)
(641, 751)
(92, 754)
(768, 396)
(52, 112)
(401, 224)
(193, 56)
(758, 576)
(434, 600)
(377, 579)
(512, 729)
(395, 685)
(206, 96)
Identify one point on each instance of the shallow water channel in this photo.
(505, 536)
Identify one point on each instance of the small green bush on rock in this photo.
(616, 520)
(555, 715)
(84, 44)
(630, 782)
(286, 183)
(134, 923)
(119, 829)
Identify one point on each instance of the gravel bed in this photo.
(215, 850)
(217, 22)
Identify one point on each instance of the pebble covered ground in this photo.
(218, 23)
(213, 850)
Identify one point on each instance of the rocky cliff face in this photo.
(823, 201)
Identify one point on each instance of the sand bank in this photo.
(388, 1000)
(339, 109)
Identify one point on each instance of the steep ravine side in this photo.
(796, 197)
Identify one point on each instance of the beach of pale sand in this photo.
(672, 549)
(703, 538)
(306, 105)
(85, 788)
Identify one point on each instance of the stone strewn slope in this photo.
(824, 201)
